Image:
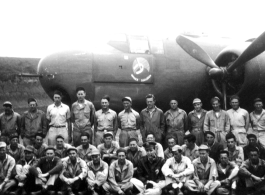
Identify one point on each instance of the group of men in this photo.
(84, 151)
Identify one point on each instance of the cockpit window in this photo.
(139, 44)
(157, 46)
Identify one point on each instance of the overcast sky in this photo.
(34, 28)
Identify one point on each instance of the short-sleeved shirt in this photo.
(238, 118)
(85, 154)
(106, 120)
(129, 120)
(58, 115)
(83, 114)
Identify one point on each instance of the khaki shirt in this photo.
(100, 174)
(258, 123)
(106, 120)
(85, 154)
(129, 120)
(82, 114)
(58, 115)
(238, 118)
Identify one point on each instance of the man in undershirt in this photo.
(195, 121)
(239, 119)
(217, 121)
(257, 120)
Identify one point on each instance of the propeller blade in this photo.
(195, 51)
(224, 94)
(254, 49)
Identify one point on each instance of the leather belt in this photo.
(59, 126)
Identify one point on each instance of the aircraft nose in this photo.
(65, 71)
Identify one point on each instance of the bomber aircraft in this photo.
(183, 68)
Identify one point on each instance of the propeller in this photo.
(222, 73)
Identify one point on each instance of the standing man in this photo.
(239, 119)
(214, 147)
(82, 115)
(195, 121)
(205, 173)
(152, 119)
(33, 122)
(129, 123)
(10, 122)
(257, 120)
(85, 149)
(176, 122)
(58, 116)
(105, 120)
(217, 121)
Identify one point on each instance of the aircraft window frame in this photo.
(155, 48)
(139, 44)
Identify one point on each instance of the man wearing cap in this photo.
(236, 153)
(227, 172)
(39, 146)
(205, 173)
(171, 142)
(10, 122)
(85, 149)
(33, 121)
(149, 166)
(61, 147)
(24, 177)
(105, 120)
(97, 173)
(253, 142)
(239, 119)
(257, 120)
(214, 147)
(73, 173)
(15, 149)
(195, 121)
(190, 149)
(128, 123)
(217, 121)
(152, 119)
(176, 171)
(134, 153)
(120, 175)
(58, 116)
(253, 172)
(176, 122)
(7, 164)
(82, 115)
(109, 148)
(47, 170)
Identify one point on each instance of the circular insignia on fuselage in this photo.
(141, 69)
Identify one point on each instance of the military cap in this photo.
(107, 134)
(210, 133)
(127, 99)
(32, 100)
(176, 148)
(251, 135)
(224, 152)
(6, 103)
(196, 100)
(95, 152)
(50, 148)
(2, 144)
(59, 136)
(29, 148)
(203, 147)
(71, 148)
(149, 144)
(13, 135)
(257, 100)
